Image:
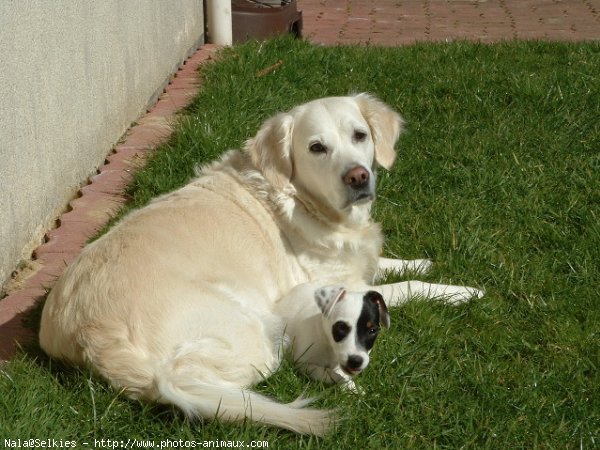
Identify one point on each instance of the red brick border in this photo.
(98, 201)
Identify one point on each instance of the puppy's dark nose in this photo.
(355, 361)
(356, 177)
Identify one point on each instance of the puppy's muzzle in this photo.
(353, 365)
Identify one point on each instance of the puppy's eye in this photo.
(373, 331)
(317, 147)
(340, 330)
(359, 136)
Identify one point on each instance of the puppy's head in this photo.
(327, 149)
(351, 321)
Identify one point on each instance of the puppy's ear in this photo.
(377, 299)
(385, 124)
(327, 296)
(270, 150)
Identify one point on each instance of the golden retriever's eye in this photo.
(317, 147)
(359, 136)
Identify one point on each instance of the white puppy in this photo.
(331, 331)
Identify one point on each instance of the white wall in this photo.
(74, 75)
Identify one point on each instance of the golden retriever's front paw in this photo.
(456, 295)
(420, 266)
(403, 266)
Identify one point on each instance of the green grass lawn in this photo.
(497, 180)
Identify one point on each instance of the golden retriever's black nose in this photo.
(357, 177)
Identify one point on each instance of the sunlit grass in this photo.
(497, 180)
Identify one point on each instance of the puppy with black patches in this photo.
(331, 331)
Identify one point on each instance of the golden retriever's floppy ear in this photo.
(386, 125)
(270, 149)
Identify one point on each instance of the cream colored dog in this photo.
(176, 303)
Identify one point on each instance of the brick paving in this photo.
(397, 22)
(327, 22)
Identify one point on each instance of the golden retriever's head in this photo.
(327, 149)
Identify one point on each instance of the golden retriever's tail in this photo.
(233, 404)
(194, 381)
